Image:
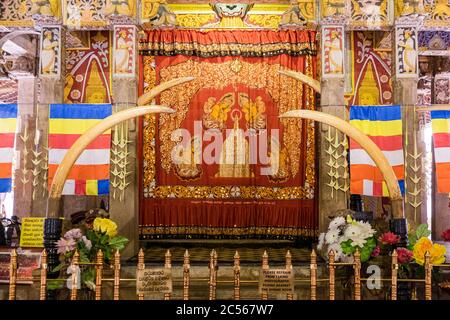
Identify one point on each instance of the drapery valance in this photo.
(245, 43)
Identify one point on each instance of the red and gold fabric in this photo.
(230, 94)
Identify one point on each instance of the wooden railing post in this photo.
(167, 265)
(43, 286)
(428, 274)
(265, 266)
(212, 274)
(357, 268)
(289, 296)
(331, 269)
(394, 274)
(216, 270)
(237, 276)
(12, 275)
(75, 275)
(116, 290)
(313, 275)
(99, 275)
(186, 267)
(141, 266)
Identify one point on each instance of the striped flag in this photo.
(383, 124)
(440, 121)
(8, 123)
(90, 173)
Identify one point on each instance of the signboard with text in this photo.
(279, 280)
(32, 234)
(154, 281)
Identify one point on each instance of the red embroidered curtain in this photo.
(225, 164)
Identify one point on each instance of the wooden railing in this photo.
(213, 275)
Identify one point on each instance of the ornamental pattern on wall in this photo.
(15, 13)
(88, 70)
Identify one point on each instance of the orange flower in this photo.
(423, 245)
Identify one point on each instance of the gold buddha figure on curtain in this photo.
(369, 94)
(95, 89)
(234, 156)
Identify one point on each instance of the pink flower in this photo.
(446, 235)
(376, 251)
(404, 255)
(389, 238)
(73, 234)
(64, 245)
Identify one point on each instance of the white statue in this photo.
(122, 53)
(335, 53)
(409, 53)
(48, 54)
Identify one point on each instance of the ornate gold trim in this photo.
(151, 232)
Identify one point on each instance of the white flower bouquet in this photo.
(345, 236)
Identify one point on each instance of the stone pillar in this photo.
(405, 94)
(51, 84)
(24, 145)
(51, 91)
(124, 192)
(415, 201)
(332, 102)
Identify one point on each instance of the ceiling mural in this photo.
(104, 14)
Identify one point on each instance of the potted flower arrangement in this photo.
(411, 260)
(101, 235)
(419, 243)
(344, 236)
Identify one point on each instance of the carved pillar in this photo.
(124, 189)
(405, 94)
(331, 181)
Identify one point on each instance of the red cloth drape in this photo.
(206, 204)
(229, 43)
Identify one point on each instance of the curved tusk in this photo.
(84, 140)
(313, 83)
(367, 144)
(147, 98)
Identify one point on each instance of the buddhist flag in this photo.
(440, 121)
(383, 124)
(90, 174)
(8, 123)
